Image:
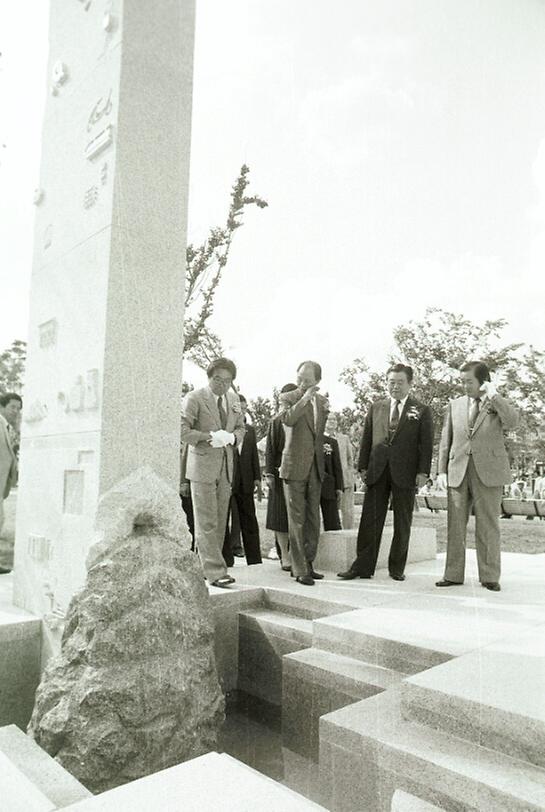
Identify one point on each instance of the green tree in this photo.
(436, 347)
(262, 411)
(204, 267)
(12, 367)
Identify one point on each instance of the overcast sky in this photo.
(400, 146)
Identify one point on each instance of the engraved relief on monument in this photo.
(36, 412)
(48, 236)
(73, 492)
(103, 139)
(48, 333)
(83, 395)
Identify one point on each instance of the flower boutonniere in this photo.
(235, 407)
(327, 449)
(413, 413)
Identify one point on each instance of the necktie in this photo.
(474, 413)
(394, 419)
(221, 410)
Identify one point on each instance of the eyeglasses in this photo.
(225, 381)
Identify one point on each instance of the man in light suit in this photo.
(10, 407)
(347, 463)
(395, 459)
(473, 462)
(212, 424)
(303, 413)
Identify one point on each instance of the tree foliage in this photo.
(436, 347)
(12, 367)
(205, 264)
(261, 411)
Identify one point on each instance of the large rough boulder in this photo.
(134, 688)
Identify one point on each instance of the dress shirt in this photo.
(393, 402)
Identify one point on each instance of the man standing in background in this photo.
(347, 463)
(212, 424)
(304, 413)
(474, 467)
(10, 408)
(395, 459)
(247, 479)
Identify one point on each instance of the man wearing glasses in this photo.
(212, 424)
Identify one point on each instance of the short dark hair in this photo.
(402, 368)
(479, 369)
(316, 367)
(241, 397)
(222, 363)
(288, 387)
(5, 399)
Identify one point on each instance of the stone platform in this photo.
(410, 696)
(337, 548)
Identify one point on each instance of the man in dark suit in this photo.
(304, 414)
(246, 480)
(395, 458)
(332, 485)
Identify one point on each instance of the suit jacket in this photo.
(333, 476)
(410, 450)
(276, 439)
(247, 468)
(485, 442)
(8, 462)
(304, 441)
(200, 413)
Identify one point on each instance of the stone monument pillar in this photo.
(103, 383)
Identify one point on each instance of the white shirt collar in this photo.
(402, 403)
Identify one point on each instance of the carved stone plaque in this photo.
(73, 492)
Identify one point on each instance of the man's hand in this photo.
(221, 438)
(185, 489)
(339, 498)
(270, 481)
(309, 393)
(488, 389)
(442, 482)
(259, 490)
(421, 480)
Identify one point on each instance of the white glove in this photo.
(221, 438)
(215, 440)
(442, 482)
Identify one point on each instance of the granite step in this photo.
(18, 794)
(299, 604)
(39, 769)
(20, 644)
(479, 697)
(265, 636)
(354, 634)
(383, 752)
(315, 682)
(208, 783)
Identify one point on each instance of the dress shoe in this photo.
(224, 581)
(305, 579)
(492, 585)
(349, 575)
(286, 569)
(445, 582)
(4, 571)
(397, 577)
(239, 553)
(316, 575)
